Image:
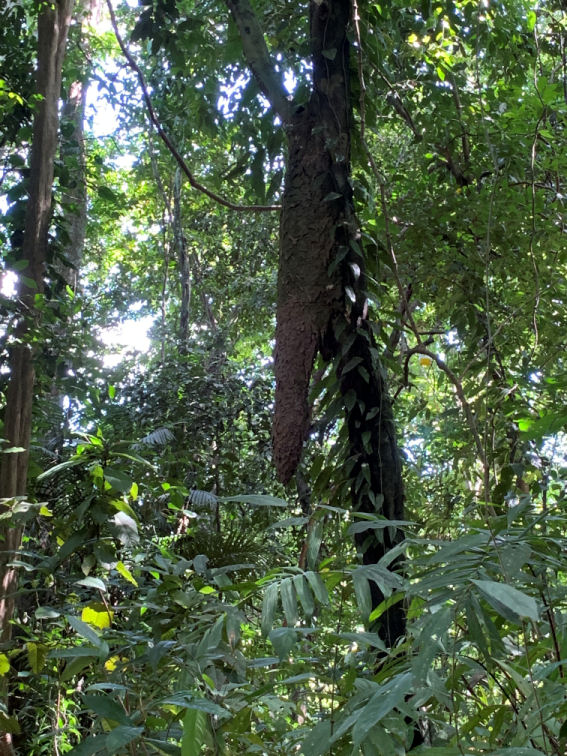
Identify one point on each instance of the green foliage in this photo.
(168, 602)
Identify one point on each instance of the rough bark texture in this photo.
(321, 286)
(74, 198)
(307, 296)
(316, 215)
(53, 24)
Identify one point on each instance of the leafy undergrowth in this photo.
(198, 636)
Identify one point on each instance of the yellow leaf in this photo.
(111, 664)
(425, 361)
(4, 664)
(126, 574)
(37, 654)
(45, 511)
(97, 614)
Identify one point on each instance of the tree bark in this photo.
(53, 24)
(321, 304)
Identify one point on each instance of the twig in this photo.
(166, 140)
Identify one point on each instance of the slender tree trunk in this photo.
(53, 24)
(183, 260)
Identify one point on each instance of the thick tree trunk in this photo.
(53, 24)
(321, 304)
(321, 300)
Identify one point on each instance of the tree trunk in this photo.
(53, 24)
(321, 300)
(183, 261)
(321, 304)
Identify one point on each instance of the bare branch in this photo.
(167, 141)
(258, 57)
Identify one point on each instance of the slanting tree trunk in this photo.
(321, 304)
(53, 24)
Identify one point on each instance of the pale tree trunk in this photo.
(74, 195)
(53, 25)
(74, 204)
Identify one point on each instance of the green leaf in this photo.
(46, 612)
(92, 582)
(283, 639)
(305, 596)
(84, 630)
(289, 601)
(121, 736)
(194, 732)
(106, 707)
(314, 541)
(126, 574)
(367, 639)
(318, 587)
(318, 741)
(269, 604)
(362, 592)
(382, 702)
(507, 600)
(118, 480)
(93, 744)
(4, 665)
(37, 654)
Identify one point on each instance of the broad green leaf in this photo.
(257, 500)
(269, 605)
(93, 744)
(305, 595)
(283, 639)
(318, 587)
(84, 630)
(37, 654)
(504, 597)
(194, 731)
(118, 480)
(366, 639)
(121, 736)
(318, 741)
(107, 707)
(362, 592)
(314, 540)
(188, 701)
(387, 698)
(92, 582)
(289, 601)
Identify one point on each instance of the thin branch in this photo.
(166, 140)
(258, 58)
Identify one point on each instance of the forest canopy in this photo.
(282, 378)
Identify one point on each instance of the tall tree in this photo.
(53, 25)
(321, 304)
